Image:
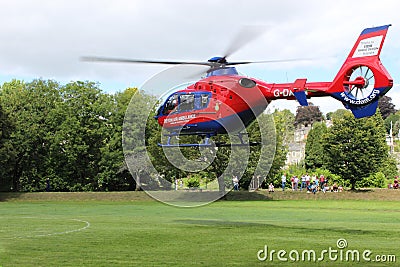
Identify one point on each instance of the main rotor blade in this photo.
(270, 61)
(124, 60)
(246, 35)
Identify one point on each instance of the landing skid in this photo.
(207, 143)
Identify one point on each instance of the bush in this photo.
(377, 180)
(192, 182)
(332, 178)
(389, 168)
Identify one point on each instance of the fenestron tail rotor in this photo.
(359, 83)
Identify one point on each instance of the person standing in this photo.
(296, 183)
(292, 182)
(283, 178)
(303, 182)
(47, 185)
(235, 181)
(322, 181)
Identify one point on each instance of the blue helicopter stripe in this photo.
(228, 124)
(363, 107)
(375, 29)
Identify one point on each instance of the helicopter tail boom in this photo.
(362, 79)
(359, 83)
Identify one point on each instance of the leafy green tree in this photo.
(314, 151)
(283, 121)
(393, 120)
(7, 152)
(338, 114)
(83, 130)
(307, 115)
(355, 148)
(31, 106)
(386, 106)
(113, 172)
(286, 120)
(138, 128)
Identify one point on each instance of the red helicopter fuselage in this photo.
(225, 102)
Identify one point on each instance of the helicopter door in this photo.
(201, 101)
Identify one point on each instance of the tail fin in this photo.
(362, 79)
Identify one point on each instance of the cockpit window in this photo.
(183, 102)
(186, 102)
(171, 104)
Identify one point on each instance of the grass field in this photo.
(130, 229)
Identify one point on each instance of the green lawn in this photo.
(126, 230)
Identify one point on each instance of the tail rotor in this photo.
(359, 82)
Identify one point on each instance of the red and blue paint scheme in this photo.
(225, 102)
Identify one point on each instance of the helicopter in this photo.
(226, 102)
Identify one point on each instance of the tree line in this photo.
(70, 136)
(355, 150)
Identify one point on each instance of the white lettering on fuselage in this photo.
(371, 97)
(179, 119)
(284, 93)
(368, 47)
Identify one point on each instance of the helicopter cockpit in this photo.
(184, 101)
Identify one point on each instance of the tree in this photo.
(338, 114)
(7, 151)
(386, 106)
(31, 106)
(355, 148)
(138, 128)
(58, 134)
(314, 151)
(307, 115)
(393, 120)
(284, 122)
(113, 172)
(82, 130)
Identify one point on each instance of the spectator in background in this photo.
(396, 183)
(283, 181)
(308, 180)
(296, 183)
(322, 181)
(303, 182)
(314, 188)
(47, 185)
(335, 187)
(292, 181)
(235, 182)
(271, 188)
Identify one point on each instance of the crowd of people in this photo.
(312, 184)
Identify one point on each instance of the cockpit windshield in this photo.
(183, 102)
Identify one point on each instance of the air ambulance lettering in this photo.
(285, 93)
(368, 47)
(179, 119)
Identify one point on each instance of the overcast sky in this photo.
(46, 38)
